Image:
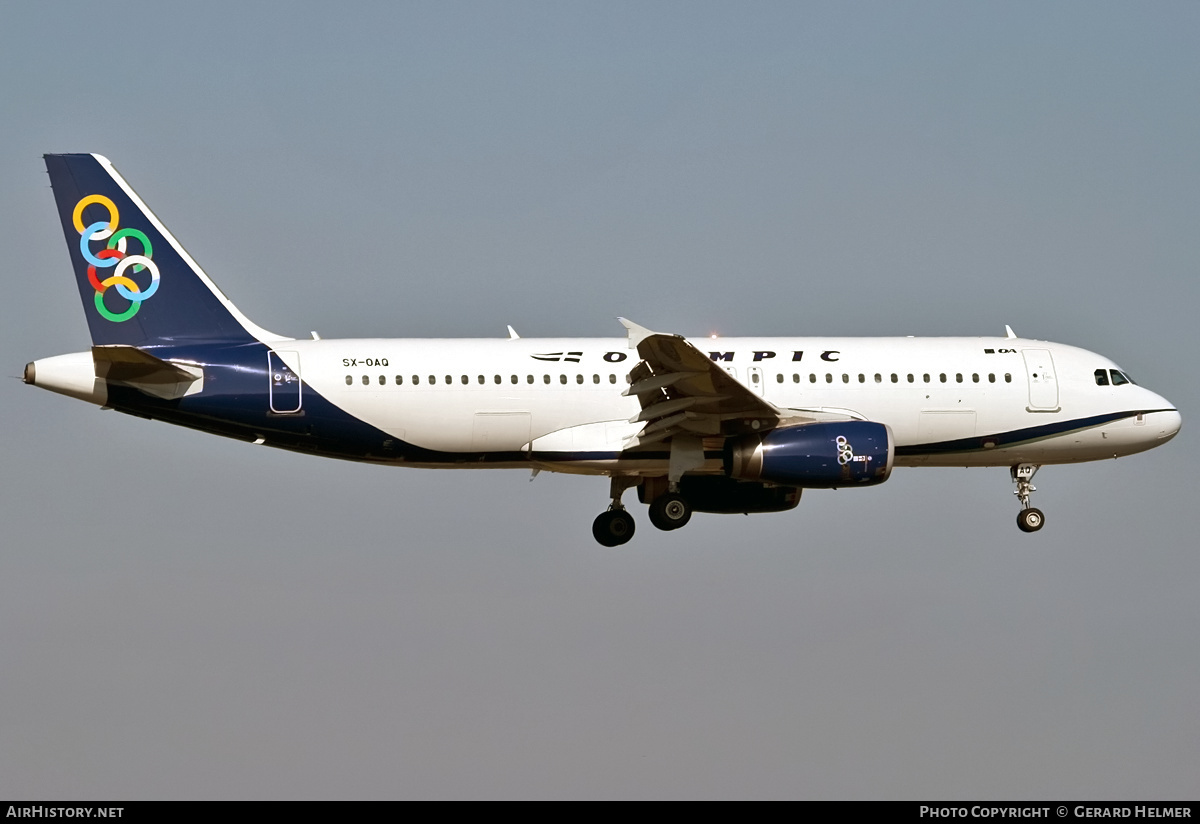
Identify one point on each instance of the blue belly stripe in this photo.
(1018, 436)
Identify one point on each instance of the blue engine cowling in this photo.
(814, 455)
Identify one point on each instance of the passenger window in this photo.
(449, 380)
(958, 377)
(828, 378)
(513, 379)
(845, 378)
(416, 379)
(612, 378)
(399, 380)
(991, 377)
(465, 380)
(349, 380)
(975, 378)
(545, 378)
(795, 377)
(1008, 377)
(1118, 378)
(862, 378)
(754, 377)
(779, 377)
(529, 379)
(943, 377)
(910, 377)
(562, 379)
(579, 379)
(812, 377)
(1101, 377)
(926, 377)
(496, 379)
(595, 379)
(383, 380)
(433, 380)
(895, 378)
(366, 381)
(878, 378)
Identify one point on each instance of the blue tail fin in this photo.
(138, 285)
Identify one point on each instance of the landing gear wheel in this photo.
(670, 511)
(1031, 520)
(613, 528)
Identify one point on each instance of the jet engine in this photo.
(819, 455)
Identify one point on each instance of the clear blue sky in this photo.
(190, 617)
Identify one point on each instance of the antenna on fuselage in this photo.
(1008, 332)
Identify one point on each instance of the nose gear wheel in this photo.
(1029, 519)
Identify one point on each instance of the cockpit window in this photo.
(1115, 377)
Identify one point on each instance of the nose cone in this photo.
(1168, 423)
(1163, 421)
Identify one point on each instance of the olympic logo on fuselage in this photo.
(114, 255)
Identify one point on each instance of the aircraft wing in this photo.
(682, 391)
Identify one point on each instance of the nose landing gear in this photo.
(1030, 519)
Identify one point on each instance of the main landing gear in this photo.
(669, 510)
(613, 528)
(1029, 519)
(616, 526)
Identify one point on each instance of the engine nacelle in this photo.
(714, 493)
(814, 455)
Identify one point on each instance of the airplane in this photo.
(717, 425)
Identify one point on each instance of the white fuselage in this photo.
(563, 396)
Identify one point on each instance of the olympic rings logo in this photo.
(115, 255)
(845, 451)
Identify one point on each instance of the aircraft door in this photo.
(1043, 384)
(283, 383)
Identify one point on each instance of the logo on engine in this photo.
(846, 452)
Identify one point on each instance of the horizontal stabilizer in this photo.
(137, 369)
